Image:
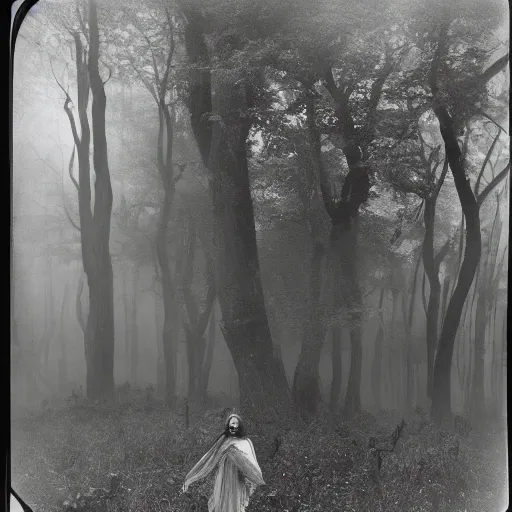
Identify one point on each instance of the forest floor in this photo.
(134, 459)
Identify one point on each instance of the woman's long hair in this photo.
(241, 427)
(226, 434)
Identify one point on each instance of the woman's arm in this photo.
(205, 465)
(247, 464)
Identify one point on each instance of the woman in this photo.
(239, 473)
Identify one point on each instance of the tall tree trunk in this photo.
(432, 271)
(392, 350)
(376, 378)
(353, 395)
(478, 395)
(127, 322)
(160, 363)
(306, 385)
(62, 361)
(441, 387)
(503, 366)
(336, 369)
(197, 321)
(244, 320)
(49, 320)
(306, 381)
(444, 299)
(134, 339)
(166, 170)
(408, 316)
(344, 210)
(205, 374)
(340, 258)
(99, 333)
(169, 300)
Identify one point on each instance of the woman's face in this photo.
(233, 426)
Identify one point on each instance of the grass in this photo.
(134, 458)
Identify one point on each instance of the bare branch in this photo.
(146, 83)
(179, 175)
(71, 162)
(171, 53)
(486, 159)
(423, 291)
(487, 190)
(375, 95)
(109, 72)
(153, 56)
(78, 304)
(45, 162)
(82, 24)
(71, 221)
(76, 137)
(441, 178)
(487, 116)
(436, 61)
(493, 69)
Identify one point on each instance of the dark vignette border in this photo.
(11, 32)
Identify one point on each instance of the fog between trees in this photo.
(282, 205)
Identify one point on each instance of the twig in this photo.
(109, 72)
(70, 168)
(487, 190)
(486, 160)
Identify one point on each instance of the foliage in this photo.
(84, 448)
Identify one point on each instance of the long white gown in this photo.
(237, 477)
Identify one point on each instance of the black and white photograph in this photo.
(259, 255)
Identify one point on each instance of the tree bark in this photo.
(62, 361)
(169, 299)
(344, 211)
(306, 381)
(353, 395)
(100, 322)
(431, 267)
(408, 322)
(392, 352)
(441, 387)
(197, 321)
(336, 369)
(377, 358)
(306, 385)
(244, 319)
(160, 364)
(49, 320)
(207, 366)
(127, 326)
(134, 338)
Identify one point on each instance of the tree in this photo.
(151, 64)
(94, 224)
(423, 158)
(351, 120)
(219, 100)
(199, 355)
(486, 287)
(377, 356)
(452, 114)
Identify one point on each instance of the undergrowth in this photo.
(134, 458)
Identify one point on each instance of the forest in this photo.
(294, 210)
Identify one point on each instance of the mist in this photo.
(224, 208)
